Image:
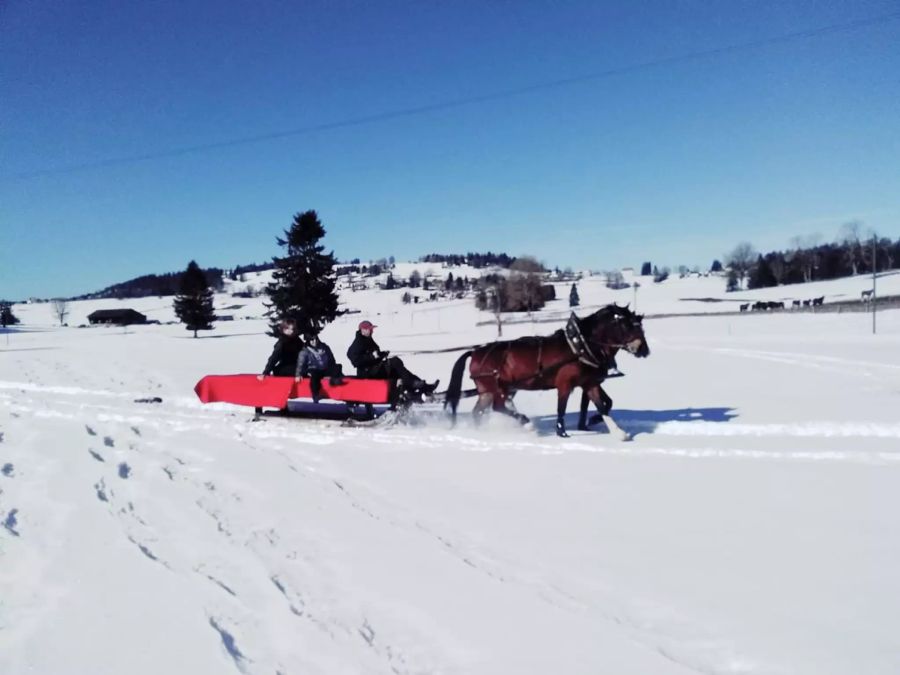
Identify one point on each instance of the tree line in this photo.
(853, 252)
(153, 284)
(476, 260)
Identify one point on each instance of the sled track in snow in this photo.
(183, 415)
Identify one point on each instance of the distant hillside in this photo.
(152, 284)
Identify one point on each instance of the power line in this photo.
(460, 102)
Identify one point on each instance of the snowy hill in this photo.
(751, 526)
(690, 295)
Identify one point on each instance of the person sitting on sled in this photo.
(317, 361)
(283, 360)
(372, 361)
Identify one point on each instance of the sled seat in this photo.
(274, 392)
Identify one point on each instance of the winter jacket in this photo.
(283, 360)
(318, 358)
(363, 353)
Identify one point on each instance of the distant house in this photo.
(116, 317)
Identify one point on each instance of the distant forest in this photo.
(476, 260)
(152, 284)
(850, 256)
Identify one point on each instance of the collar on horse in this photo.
(579, 346)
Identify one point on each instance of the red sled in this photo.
(274, 392)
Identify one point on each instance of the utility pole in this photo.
(874, 278)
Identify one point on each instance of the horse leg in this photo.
(562, 400)
(604, 405)
(582, 413)
(483, 404)
(503, 404)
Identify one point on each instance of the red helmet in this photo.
(366, 325)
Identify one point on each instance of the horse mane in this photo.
(609, 312)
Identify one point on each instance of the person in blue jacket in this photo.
(316, 361)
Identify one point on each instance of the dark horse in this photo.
(577, 356)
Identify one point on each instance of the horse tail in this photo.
(454, 391)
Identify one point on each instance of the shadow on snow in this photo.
(637, 422)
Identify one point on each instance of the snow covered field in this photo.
(751, 526)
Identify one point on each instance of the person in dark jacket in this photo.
(283, 360)
(317, 361)
(371, 361)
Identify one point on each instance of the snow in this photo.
(751, 526)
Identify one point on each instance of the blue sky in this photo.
(674, 163)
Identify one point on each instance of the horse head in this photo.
(614, 326)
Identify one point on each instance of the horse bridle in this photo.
(590, 359)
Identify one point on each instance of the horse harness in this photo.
(581, 351)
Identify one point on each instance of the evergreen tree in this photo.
(646, 269)
(303, 282)
(716, 266)
(194, 302)
(390, 283)
(7, 318)
(731, 283)
(574, 300)
(761, 276)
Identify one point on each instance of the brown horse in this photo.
(578, 356)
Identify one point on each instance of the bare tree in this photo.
(850, 236)
(741, 260)
(527, 264)
(779, 268)
(805, 253)
(60, 309)
(615, 279)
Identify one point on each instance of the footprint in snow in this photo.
(100, 487)
(10, 522)
(7, 470)
(90, 431)
(124, 470)
(96, 455)
(109, 442)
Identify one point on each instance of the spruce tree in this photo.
(731, 283)
(7, 318)
(303, 282)
(762, 275)
(574, 300)
(194, 302)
